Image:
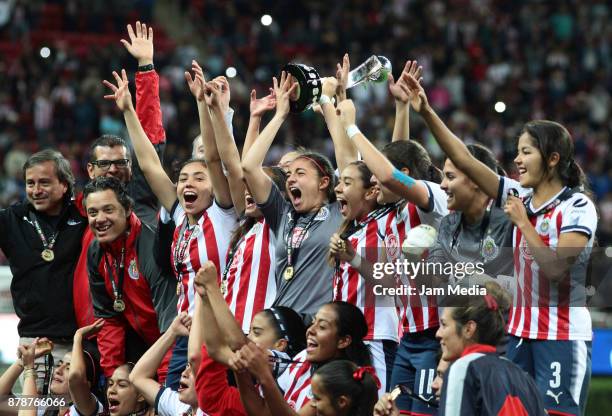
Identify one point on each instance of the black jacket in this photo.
(41, 290)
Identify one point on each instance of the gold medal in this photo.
(119, 305)
(288, 275)
(47, 254)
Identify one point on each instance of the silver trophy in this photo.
(374, 69)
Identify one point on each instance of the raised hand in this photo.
(259, 106)
(342, 74)
(411, 86)
(341, 249)
(255, 359)
(346, 110)
(89, 330)
(212, 94)
(140, 45)
(196, 84)
(43, 347)
(181, 325)
(283, 91)
(330, 86)
(205, 277)
(403, 95)
(121, 92)
(27, 353)
(224, 89)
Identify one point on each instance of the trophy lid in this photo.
(310, 86)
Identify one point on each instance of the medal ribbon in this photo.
(117, 287)
(181, 247)
(41, 235)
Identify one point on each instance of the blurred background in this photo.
(489, 66)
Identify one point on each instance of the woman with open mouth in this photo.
(337, 332)
(122, 396)
(353, 249)
(304, 224)
(555, 222)
(200, 205)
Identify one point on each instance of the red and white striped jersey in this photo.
(251, 283)
(415, 314)
(544, 309)
(295, 382)
(349, 286)
(208, 240)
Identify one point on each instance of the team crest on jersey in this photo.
(392, 244)
(256, 228)
(297, 239)
(133, 270)
(545, 225)
(322, 214)
(489, 248)
(291, 404)
(524, 249)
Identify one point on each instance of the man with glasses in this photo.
(110, 156)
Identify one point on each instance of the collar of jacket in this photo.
(129, 239)
(485, 349)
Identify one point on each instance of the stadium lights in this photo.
(500, 106)
(230, 72)
(45, 52)
(266, 20)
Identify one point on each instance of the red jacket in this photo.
(215, 395)
(149, 294)
(149, 113)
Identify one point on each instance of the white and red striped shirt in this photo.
(208, 240)
(251, 283)
(295, 382)
(544, 309)
(349, 286)
(415, 314)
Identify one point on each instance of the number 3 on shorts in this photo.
(555, 381)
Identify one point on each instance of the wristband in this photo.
(325, 100)
(352, 130)
(145, 68)
(355, 261)
(29, 372)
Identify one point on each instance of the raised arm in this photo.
(252, 162)
(258, 107)
(144, 373)
(211, 154)
(230, 329)
(343, 148)
(27, 353)
(78, 384)
(208, 330)
(401, 128)
(399, 182)
(455, 149)
(228, 152)
(145, 152)
(10, 376)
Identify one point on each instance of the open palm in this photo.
(121, 92)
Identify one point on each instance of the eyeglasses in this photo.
(106, 164)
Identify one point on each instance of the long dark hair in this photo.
(338, 379)
(410, 154)
(551, 137)
(351, 322)
(279, 178)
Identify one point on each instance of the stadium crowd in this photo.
(245, 279)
